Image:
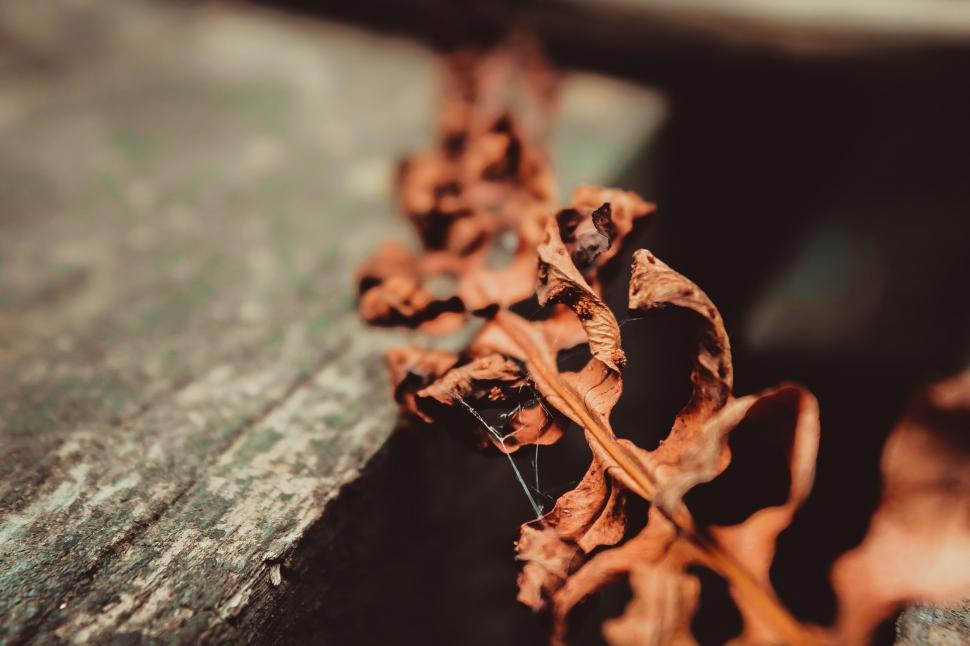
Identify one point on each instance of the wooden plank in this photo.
(590, 32)
(803, 27)
(184, 384)
(920, 625)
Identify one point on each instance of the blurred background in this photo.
(203, 170)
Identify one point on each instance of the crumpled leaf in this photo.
(664, 602)
(561, 282)
(412, 369)
(487, 188)
(431, 384)
(548, 563)
(751, 544)
(434, 197)
(391, 293)
(529, 425)
(587, 517)
(743, 552)
(596, 222)
(586, 234)
(487, 178)
(918, 544)
(480, 85)
(654, 285)
(486, 377)
(593, 513)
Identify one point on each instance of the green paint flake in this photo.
(205, 510)
(267, 101)
(42, 408)
(176, 308)
(185, 192)
(320, 321)
(327, 452)
(109, 185)
(330, 258)
(63, 267)
(137, 148)
(258, 440)
(303, 285)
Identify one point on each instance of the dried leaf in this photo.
(429, 384)
(561, 282)
(589, 516)
(482, 287)
(488, 181)
(742, 553)
(918, 544)
(488, 178)
(790, 419)
(548, 562)
(482, 377)
(391, 294)
(414, 368)
(654, 285)
(593, 513)
(529, 426)
(433, 195)
(596, 223)
(664, 602)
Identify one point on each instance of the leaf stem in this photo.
(713, 554)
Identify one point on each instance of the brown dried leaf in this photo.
(561, 282)
(535, 344)
(479, 86)
(484, 377)
(918, 544)
(742, 553)
(391, 293)
(791, 415)
(434, 197)
(485, 381)
(664, 602)
(481, 287)
(646, 548)
(654, 285)
(548, 563)
(596, 223)
(529, 426)
(429, 383)
(414, 368)
(489, 179)
(589, 516)
(593, 513)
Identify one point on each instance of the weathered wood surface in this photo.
(928, 625)
(184, 386)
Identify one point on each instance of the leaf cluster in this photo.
(489, 180)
